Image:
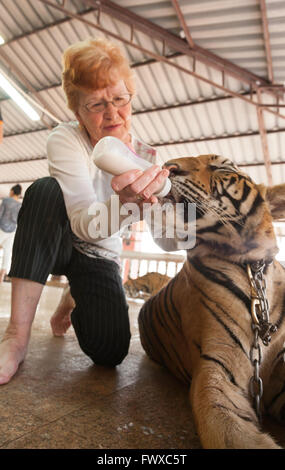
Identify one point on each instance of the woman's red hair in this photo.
(91, 65)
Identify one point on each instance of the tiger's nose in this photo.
(173, 168)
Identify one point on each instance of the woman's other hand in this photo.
(139, 186)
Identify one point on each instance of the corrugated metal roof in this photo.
(173, 109)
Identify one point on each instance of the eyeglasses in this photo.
(117, 101)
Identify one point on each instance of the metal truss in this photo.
(173, 46)
(255, 84)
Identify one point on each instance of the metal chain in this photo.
(255, 383)
(261, 327)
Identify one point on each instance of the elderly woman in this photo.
(52, 234)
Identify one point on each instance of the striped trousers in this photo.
(43, 246)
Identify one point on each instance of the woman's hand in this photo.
(139, 186)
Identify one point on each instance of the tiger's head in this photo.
(233, 214)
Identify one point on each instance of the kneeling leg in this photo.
(100, 317)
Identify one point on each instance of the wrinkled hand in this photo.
(139, 186)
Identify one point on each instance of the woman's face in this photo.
(111, 121)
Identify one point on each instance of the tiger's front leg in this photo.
(223, 413)
(274, 390)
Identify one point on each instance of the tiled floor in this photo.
(60, 400)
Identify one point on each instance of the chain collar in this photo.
(259, 302)
(261, 326)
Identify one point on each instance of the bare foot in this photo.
(12, 353)
(60, 321)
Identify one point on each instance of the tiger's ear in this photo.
(275, 196)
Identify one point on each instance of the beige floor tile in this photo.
(138, 416)
(52, 436)
(15, 422)
(59, 400)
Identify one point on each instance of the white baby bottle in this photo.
(112, 155)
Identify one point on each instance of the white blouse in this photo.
(69, 158)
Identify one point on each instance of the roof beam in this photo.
(185, 104)
(31, 131)
(260, 116)
(249, 165)
(42, 28)
(22, 160)
(133, 65)
(266, 37)
(259, 110)
(175, 142)
(38, 102)
(182, 21)
(168, 39)
(241, 165)
(174, 42)
(214, 138)
(228, 67)
(264, 142)
(17, 181)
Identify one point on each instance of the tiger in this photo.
(146, 285)
(200, 326)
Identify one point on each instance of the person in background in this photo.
(53, 233)
(9, 210)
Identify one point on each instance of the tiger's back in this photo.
(146, 285)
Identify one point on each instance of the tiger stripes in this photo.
(168, 324)
(199, 325)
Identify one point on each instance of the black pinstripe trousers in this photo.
(43, 245)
